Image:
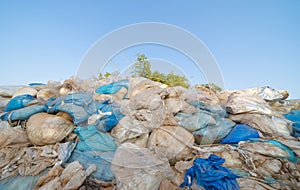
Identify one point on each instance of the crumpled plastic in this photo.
(112, 88)
(95, 147)
(210, 174)
(23, 113)
(12, 136)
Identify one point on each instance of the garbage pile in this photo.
(140, 134)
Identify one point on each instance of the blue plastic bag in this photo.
(79, 105)
(211, 175)
(19, 102)
(294, 116)
(240, 132)
(97, 148)
(24, 113)
(112, 88)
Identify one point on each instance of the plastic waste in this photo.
(214, 133)
(12, 136)
(112, 88)
(26, 90)
(24, 113)
(294, 116)
(138, 168)
(97, 148)
(19, 102)
(43, 128)
(171, 142)
(240, 132)
(210, 174)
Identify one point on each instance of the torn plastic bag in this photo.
(210, 174)
(95, 148)
(214, 133)
(12, 136)
(112, 88)
(270, 148)
(19, 102)
(24, 113)
(240, 132)
(294, 116)
(139, 168)
(195, 121)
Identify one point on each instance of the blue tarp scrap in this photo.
(95, 147)
(19, 102)
(240, 132)
(210, 175)
(112, 88)
(294, 116)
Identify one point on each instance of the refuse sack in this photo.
(43, 128)
(272, 126)
(171, 142)
(112, 88)
(294, 116)
(139, 168)
(271, 148)
(81, 106)
(24, 113)
(12, 136)
(210, 174)
(267, 93)
(19, 102)
(96, 148)
(195, 121)
(215, 110)
(71, 177)
(240, 132)
(176, 105)
(128, 128)
(239, 103)
(214, 133)
(26, 90)
(44, 94)
(199, 96)
(3, 103)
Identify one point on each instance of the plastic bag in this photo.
(43, 128)
(95, 148)
(214, 133)
(24, 113)
(19, 102)
(240, 132)
(138, 168)
(210, 174)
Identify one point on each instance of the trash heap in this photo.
(140, 134)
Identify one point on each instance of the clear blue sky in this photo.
(255, 42)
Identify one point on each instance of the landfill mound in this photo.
(139, 134)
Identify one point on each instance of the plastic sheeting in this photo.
(240, 132)
(210, 174)
(95, 148)
(24, 113)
